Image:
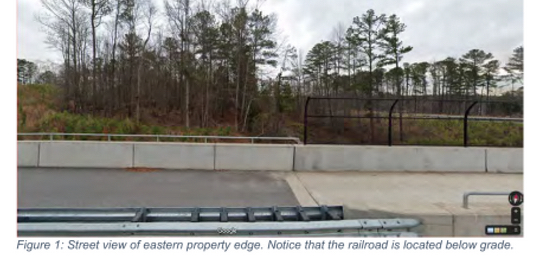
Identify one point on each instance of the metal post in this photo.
(466, 123)
(252, 140)
(305, 121)
(467, 195)
(390, 133)
(50, 137)
(108, 137)
(157, 137)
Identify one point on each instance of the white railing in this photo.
(158, 137)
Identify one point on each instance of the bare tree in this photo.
(148, 12)
(64, 20)
(98, 9)
(178, 13)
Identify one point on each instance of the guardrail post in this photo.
(305, 121)
(466, 122)
(157, 138)
(108, 137)
(50, 137)
(468, 194)
(390, 129)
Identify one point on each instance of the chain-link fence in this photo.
(413, 121)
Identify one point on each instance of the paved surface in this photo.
(407, 192)
(41, 187)
(365, 192)
(434, 198)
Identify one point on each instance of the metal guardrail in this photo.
(466, 196)
(371, 227)
(196, 214)
(158, 137)
(323, 221)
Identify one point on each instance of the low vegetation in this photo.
(38, 111)
(451, 132)
(417, 132)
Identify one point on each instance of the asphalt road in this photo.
(48, 187)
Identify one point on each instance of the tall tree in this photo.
(26, 71)
(436, 76)
(65, 21)
(393, 47)
(490, 76)
(148, 12)
(407, 76)
(98, 9)
(366, 35)
(47, 77)
(178, 14)
(516, 63)
(419, 77)
(263, 52)
(240, 34)
(474, 62)
(206, 33)
(119, 5)
(318, 64)
(339, 41)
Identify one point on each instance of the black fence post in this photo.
(466, 122)
(305, 121)
(390, 132)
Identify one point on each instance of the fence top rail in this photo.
(420, 100)
(426, 116)
(163, 136)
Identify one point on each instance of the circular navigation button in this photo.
(516, 198)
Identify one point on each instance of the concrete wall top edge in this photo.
(504, 148)
(392, 147)
(174, 143)
(122, 142)
(285, 145)
(263, 145)
(88, 142)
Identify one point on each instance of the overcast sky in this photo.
(435, 28)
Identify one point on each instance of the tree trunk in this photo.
(207, 106)
(237, 94)
(246, 115)
(186, 43)
(94, 78)
(244, 95)
(187, 102)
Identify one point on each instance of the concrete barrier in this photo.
(505, 160)
(268, 157)
(254, 157)
(82, 154)
(174, 155)
(27, 154)
(385, 158)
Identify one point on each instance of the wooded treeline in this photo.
(202, 64)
